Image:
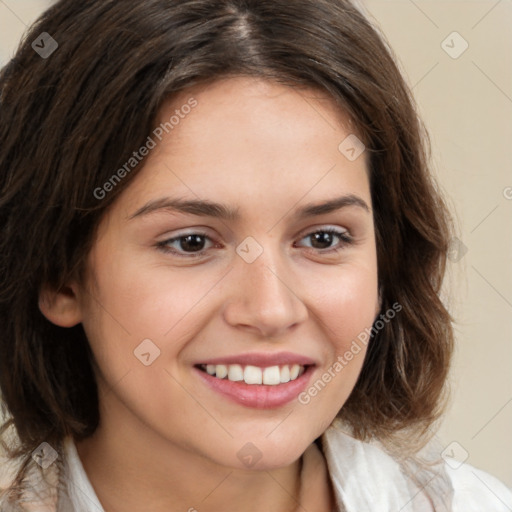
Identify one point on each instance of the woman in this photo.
(222, 254)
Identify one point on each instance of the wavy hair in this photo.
(68, 120)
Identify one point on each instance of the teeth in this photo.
(221, 371)
(235, 372)
(253, 375)
(294, 371)
(285, 374)
(270, 376)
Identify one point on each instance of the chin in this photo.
(265, 453)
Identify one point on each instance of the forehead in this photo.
(250, 143)
(258, 106)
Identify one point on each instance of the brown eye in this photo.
(188, 245)
(191, 243)
(322, 240)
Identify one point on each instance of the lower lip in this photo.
(258, 396)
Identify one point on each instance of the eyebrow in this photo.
(207, 208)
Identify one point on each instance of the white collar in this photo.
(365, 477)
(79, 488)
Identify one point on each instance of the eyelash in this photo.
(346, 239)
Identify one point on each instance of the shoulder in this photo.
(475, 490)
(365, 475)
(8, 471)
(36, 491)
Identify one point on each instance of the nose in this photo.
(264, 299)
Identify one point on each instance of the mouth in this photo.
(258, 387)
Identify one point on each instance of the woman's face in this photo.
(245, 287)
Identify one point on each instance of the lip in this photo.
(261, 359)
(257, 396)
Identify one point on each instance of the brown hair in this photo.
(68, 121)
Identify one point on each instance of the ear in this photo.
(61, 307)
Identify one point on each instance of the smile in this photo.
(268, 376)
(256, 387)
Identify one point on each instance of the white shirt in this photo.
(364, 478)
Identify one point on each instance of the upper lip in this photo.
(262, 359)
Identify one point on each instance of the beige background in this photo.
(467, 105)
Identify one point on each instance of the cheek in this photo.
(146, 299)
(345, 306)
(132, 302)
(346, 301)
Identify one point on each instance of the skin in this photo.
(165, 438)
